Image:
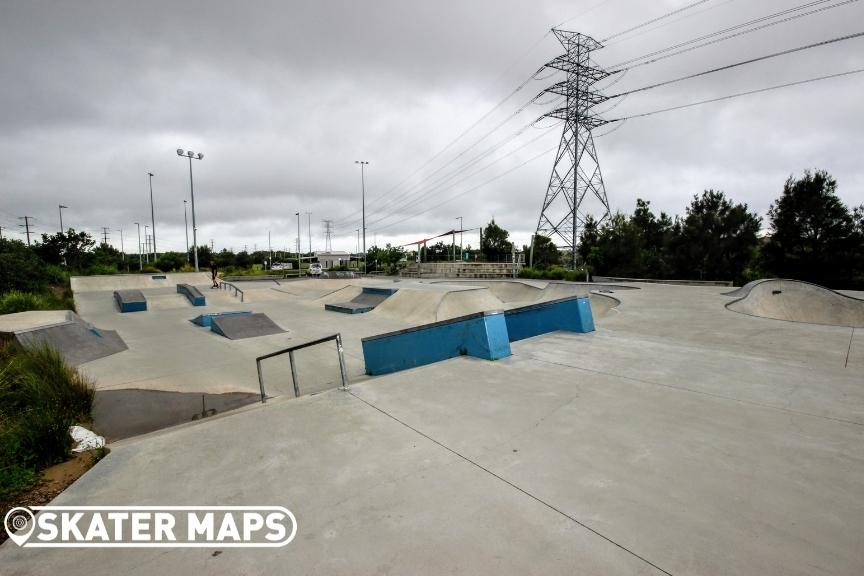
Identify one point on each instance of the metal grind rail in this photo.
(290, 351)
(237, 291)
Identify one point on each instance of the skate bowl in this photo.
(797, 301)
(240, 326)
(76, 340)
(368, 299)
(521, 292)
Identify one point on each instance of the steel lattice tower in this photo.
(576, 177)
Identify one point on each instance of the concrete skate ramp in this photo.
(436, 303)
(112, 282)
(192, 293)
(368, 299)
(130, 301)
(798, 301)
(238, 327)
(76, 341)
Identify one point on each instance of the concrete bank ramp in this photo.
(368, 299)
(798, 301)
(237, 327)
(136, 281)
(76, 341)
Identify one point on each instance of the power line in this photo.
(665, 24)
(655, 20)
(741, 63)
(739, 94)
(712, 38)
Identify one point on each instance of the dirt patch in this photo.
(54, 480)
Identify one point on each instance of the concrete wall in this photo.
(461, 270)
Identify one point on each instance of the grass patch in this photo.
(40, 398)
(58, 298)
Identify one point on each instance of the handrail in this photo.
(290, 351)
(223, 284)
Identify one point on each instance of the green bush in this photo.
(553, 273)
(40, 398)
(15, 301)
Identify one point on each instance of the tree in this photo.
(387, 258)
(68, 247)
(495, 245)
(545, 252)
(20, 268)
(717, 239)
(169, 261)
(813, 234)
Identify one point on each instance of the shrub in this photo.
(15, 301)
(554, 273)
(40, 398)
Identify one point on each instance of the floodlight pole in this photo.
(299, 263)
(363, 164)
(186, 223)
(152, 215)
(191, 155)
(61, 207)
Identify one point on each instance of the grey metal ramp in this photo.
(75, 341)
(244, 326)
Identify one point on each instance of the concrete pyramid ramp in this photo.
(798, 301)
(237, 327)
(76, 341)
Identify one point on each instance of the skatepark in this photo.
(691, 431)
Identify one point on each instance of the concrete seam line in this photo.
(511, 484)
(694, 391)
(849, 350)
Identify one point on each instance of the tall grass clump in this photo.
(40, 398)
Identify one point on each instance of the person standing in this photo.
(214, 273)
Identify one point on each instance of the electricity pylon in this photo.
(576, 184)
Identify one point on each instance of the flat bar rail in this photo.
(290, 351)
(225, 285)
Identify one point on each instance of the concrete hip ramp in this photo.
(797, 301)
(240, 326)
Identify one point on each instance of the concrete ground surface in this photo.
(679, 438)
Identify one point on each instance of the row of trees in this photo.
(812, 236)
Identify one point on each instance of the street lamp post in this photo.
(60, 209)
(363, 164)
(152, 215)
(186, 223)
(299, 264)
(147, 244)
(189, 154)
(122, 248)
(140, 260)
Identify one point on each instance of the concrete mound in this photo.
(76, 341)
(798, 301)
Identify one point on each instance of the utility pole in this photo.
(363, 164)
(461, 230)
(152, 215)
(26, 226)
(358, 240)
(269, 251)
(576, 176)
(60, 209)
(140, 257)
(146, 244)
(104, 235)
(1, 232)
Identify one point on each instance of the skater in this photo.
(214, 273)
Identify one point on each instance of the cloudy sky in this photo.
(282, 97)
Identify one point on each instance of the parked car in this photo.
(315, 269)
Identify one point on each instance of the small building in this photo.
(333, 259)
